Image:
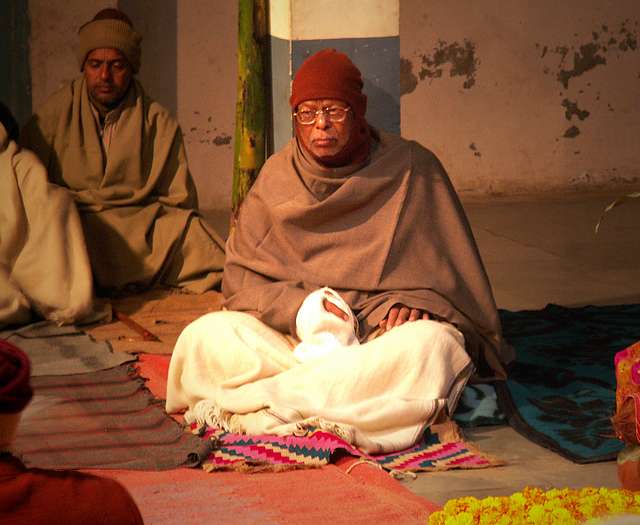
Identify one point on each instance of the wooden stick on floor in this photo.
(146, 335)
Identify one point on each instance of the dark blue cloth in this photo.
(561, 389)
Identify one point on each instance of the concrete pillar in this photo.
(366, 30)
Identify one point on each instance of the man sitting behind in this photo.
(374, 218)
(44, 266)
(122, 157)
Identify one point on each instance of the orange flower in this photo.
(533, 506)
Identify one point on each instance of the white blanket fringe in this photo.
(207, 412)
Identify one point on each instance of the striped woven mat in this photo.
(442, 449)
(106, 419)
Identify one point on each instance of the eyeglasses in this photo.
(308, 116)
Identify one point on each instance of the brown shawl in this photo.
(44, 265)
(389, 230)
(138, 205)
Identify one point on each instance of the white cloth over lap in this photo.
(233, 371)
(321, 332)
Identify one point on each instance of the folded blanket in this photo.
(321, 332)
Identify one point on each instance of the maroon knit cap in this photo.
(15, 372)
(329, 74)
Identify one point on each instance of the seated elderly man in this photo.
(37, 496)
(353, 244)
(122, 157)
(44, 266)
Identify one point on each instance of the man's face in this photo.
(108, 75)
(324, 138)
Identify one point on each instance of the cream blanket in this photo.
(232, 371)
(138, 203)
(44, 267)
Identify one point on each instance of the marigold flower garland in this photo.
(535, 506)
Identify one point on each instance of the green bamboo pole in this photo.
(251, 102)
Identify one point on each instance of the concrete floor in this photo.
(540, 251)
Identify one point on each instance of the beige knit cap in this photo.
(112, 33)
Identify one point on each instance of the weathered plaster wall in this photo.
(54, 30)
(188, 65)
(522, 96)
(207, 74)
(513, 97)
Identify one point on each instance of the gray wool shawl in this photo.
(387, 231)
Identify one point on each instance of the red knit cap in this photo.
(15, 371)
(329, 74)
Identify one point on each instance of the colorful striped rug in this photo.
(318, 447)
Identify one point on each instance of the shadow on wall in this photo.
(157, 22)
(15, 70)
(383, 109)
